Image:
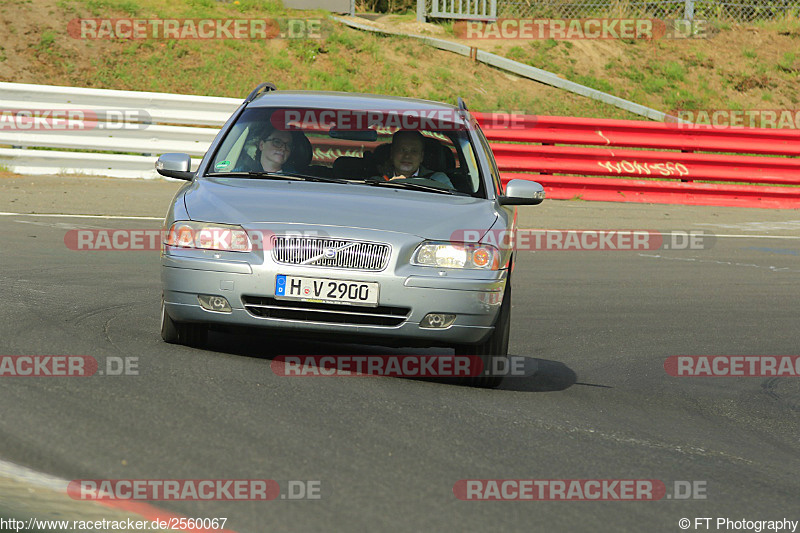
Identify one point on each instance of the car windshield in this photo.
(427, 152)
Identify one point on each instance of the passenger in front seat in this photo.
(273, 151)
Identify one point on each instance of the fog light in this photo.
(214, 303)
(437, 320)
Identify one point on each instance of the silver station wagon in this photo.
(360, 218)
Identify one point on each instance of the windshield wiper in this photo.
(277, 175)
(266, 175)
(408, 185)
(318, 178)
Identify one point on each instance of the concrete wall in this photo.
(334, 6)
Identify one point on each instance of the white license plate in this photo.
(323, 290)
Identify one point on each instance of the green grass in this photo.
(788, 24)
(654, 85)
(696, 59)
(269, 7)
(787, 63)
(99, 7)
(683, 99)
(634, 74)
(672, 70)
(46, 41)
(448, 28)
(306, 50)
(346, 40)
(280, 61)
(351, 60)
(443, 74)
(537, 54)
(371, 46)
(517, 53)
(595, 83)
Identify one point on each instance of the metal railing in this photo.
(464, 9)
(716, 10)
(594, 159)
(102, 132)
(658, 162)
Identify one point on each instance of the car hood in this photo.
(258, 201)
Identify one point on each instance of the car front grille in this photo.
(335, 253)
(384, 315)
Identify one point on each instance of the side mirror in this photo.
(175, 166)
(522, 192)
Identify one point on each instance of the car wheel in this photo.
(496, 346)
(181, 333)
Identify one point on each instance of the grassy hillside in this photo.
(754, 67)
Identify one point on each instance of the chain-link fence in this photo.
(666, 9)
(589, 8)
(720, 10)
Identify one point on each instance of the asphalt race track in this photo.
(387, 452)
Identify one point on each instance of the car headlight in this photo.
(208, 236)
(457, 255)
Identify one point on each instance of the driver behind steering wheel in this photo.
(405, 159)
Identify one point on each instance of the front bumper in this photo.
(473, 296)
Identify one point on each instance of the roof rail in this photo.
(261, 88)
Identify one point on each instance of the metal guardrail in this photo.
(162, 107)
(134, 126)
(664, 162)
(520, 69)
(571, 157)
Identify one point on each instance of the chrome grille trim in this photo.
(310, 251)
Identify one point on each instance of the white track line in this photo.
(753, 236)
(26, 475)
(64, 215)
(46, 481)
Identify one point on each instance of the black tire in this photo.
(496, 346)
(169, 329)
(189, 334)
